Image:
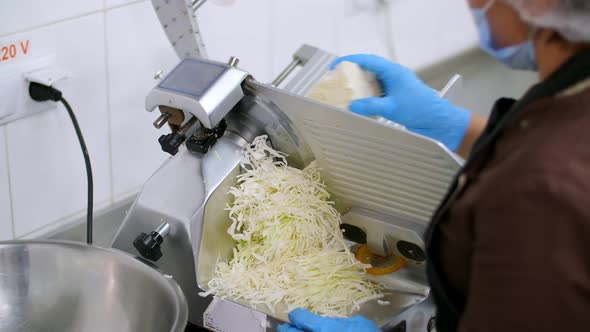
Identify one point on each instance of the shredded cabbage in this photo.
(290, 249)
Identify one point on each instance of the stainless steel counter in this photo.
(106, 224)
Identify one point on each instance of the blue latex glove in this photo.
(410, 102)
(304, 320)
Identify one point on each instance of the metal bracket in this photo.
(179, 20)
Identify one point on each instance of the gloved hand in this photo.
(410, 102)
(304, 320)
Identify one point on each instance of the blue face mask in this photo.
(521, 56)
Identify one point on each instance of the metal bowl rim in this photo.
(182, 314)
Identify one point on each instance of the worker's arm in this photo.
(530, 265)
(476, 127)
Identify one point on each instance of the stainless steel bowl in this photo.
(67, 286)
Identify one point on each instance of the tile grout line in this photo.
(110, 200)
(44, 25)
(68, 217)
(10, 199)
(129, 193)
(130, 3)
(104, 203)
(70, 18)
(109, 115)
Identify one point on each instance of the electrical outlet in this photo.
(16, 102)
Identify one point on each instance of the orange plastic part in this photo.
(379, 265)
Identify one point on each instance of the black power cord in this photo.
(40, 92)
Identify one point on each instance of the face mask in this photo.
(521, 56)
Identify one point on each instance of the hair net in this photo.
(571, 18)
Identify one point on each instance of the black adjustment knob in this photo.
(203, 139)
(196, 145)
(411, 251)
(149, 245)
(171, 142)
(354, 233)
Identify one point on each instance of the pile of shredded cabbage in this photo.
(290, 249)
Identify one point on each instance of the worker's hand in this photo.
(304, 320)
(410, 102)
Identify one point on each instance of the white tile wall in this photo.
(426, 32)
(242, 30)
(5, 216)
(421, 32)
(137, 49)
(47, 169)
(23, 14)
(293, 23)
(362, 28)
(115, 3)
(112, 48)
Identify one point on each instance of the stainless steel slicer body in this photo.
(385, 181)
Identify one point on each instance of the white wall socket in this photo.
(15, 102)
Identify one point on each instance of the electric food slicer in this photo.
(385, 181)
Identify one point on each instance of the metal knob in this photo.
(233, 61)
(161, 121)
(163, 229)
(171, 142)
(159, 74)
(148, 245)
